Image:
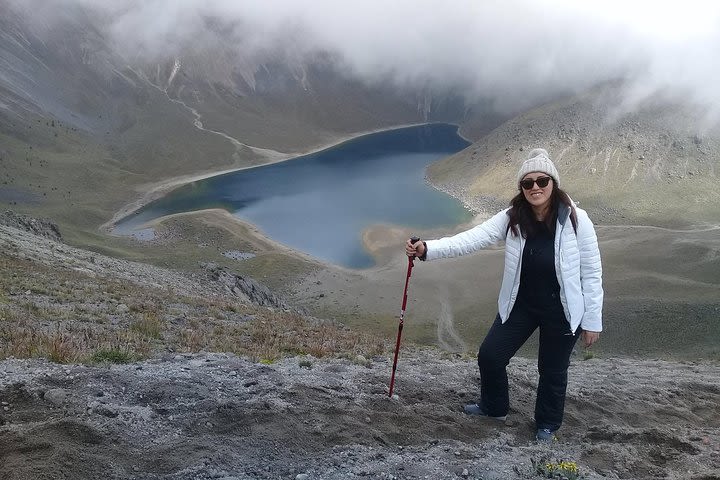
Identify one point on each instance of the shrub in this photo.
(111, 355)
(150, 325)
(61, 348)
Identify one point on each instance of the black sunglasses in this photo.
(542, 182)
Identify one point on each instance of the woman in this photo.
(552, 280)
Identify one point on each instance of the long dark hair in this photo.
(523, 218)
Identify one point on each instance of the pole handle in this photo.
(414, 240)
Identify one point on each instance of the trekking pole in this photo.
(413, 240)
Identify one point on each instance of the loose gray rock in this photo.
(103, 409)
(57, 396)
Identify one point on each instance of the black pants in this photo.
(500, 345)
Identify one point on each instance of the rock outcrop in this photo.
(42, 227)
(247, 288)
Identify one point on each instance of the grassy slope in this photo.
(67, 313)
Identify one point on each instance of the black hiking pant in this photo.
(503, 341)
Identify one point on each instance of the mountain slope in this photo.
(656, 162)
(71, 71)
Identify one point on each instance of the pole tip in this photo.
(395, 397)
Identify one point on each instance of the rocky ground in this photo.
(214, 384)
(211, 415)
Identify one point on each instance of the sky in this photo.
(516, 52)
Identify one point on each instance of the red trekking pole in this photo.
(413, 240)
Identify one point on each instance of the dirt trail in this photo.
(448, 338)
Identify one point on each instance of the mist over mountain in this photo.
(75, 67)
(277, 76)
(517, 54)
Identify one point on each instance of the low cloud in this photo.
(516, 52)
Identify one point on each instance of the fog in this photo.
(515, 52)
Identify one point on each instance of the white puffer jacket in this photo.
(577, 263)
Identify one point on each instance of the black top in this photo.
(539, 288)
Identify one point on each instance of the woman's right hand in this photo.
(416, 249)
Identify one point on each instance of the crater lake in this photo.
(320, 203)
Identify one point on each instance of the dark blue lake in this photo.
(320, 203)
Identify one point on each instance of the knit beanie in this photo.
(538, 161)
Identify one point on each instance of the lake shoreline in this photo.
(156, 190)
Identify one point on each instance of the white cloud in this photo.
(516, 51)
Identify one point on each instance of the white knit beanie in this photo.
(538, 161)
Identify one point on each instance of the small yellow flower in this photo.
(562, 467)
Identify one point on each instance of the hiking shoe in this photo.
(545, 435)
(475, 409)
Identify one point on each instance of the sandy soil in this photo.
(219, 416)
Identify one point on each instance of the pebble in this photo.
(302, 476)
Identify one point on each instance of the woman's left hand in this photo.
(589, 337)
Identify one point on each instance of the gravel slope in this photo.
(219, 416)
